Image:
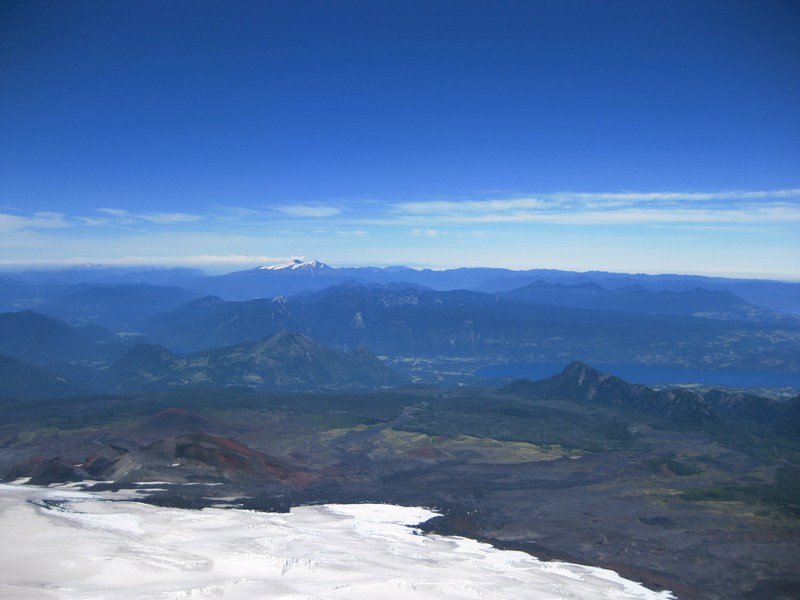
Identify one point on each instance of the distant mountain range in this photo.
(88, 318)
(698, 302)
(284, 360)
(418, 323)
(414, 323)
(117, 306)
(300, 276)
(45, 361)
(102, 275)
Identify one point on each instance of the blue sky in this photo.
(634, 136)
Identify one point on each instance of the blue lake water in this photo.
(650, 375)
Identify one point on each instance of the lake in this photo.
(650, 374)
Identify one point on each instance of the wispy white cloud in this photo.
(630, 196)
(271, 213)
(227, 213)
(118, 216)
(492, 229)
(313, 211)
(39, 220)
(160, 218)
(467, 206)
(351, 232)
(426, 232)
(607, 208)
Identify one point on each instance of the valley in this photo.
(397, 393)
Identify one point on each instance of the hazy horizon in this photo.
(217, 269)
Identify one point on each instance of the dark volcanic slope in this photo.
(285, 360)
(176, 421)
(36, 338)
(19, 379)
(230, 458)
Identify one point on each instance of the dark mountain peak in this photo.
(581, 373)
(33, 317)
(281, 345)
(283, 340)
(576, 381)
(206, 301)
(19, 379)
(34, 337)
(579, 382)
(28, 324)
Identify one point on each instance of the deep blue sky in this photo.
(267, 129)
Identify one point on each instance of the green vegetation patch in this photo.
(783, 494)
(681, 469)
(322, 410)
(481, 449)
(520, 422)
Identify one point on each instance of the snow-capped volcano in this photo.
(295, 276)
(298, 263)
